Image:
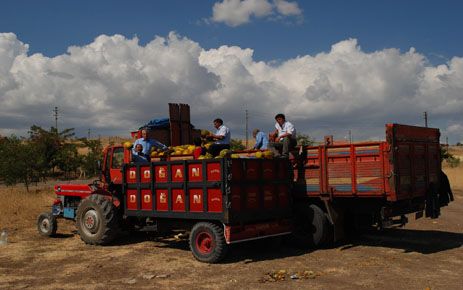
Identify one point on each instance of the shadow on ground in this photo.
(420, 241)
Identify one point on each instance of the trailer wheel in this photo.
(312, 227)
(96, 220)
(207, 242)
(47, 225)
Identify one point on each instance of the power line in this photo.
(247, 118)
(55, 114)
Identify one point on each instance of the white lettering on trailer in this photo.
(179, 199)
(162, 197)
(162, 172)
(196, 198)
(146, 173)
(132, 174)
(147, 198)
(132, 198)
(195, 171)
(178, 173)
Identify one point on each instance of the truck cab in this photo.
(114, 158)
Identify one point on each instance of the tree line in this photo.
(47, 154)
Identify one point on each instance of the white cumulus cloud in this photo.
(114, 84)
(287, 8)
(237, 12)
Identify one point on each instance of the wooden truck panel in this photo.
(402, 167)
(345, 170)
(415, 157)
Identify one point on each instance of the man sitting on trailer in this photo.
(284, 137)
(139, 156)
(221, 138)
(147, 144)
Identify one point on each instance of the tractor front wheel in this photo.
(46, 224)
(96, 220)
(207, 242)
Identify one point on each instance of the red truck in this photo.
(313, 196)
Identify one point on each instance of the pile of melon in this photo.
(188, 150)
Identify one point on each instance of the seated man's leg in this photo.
(216, 148)
(275, 147)
(288, 145)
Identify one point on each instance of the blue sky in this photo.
(432, 27)
(331, 66)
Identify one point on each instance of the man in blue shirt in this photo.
(261, 139)
(147, 144)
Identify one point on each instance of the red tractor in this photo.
(219, 201)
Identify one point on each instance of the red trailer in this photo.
(368, 183)
(315, 196)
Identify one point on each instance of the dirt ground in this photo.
(426, 254)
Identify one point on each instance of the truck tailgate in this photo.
(415, 159)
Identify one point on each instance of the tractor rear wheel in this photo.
(46, 224)
(97, 221)
(207, 242)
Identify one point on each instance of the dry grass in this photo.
(457, 151)
(455, 176)
(19, 207)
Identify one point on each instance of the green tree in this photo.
(90, 160)
(304, 140)
(48, 144)
(67, 159)
(18, 160)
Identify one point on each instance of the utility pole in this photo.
(350, 136)
(425, 119)
(88, 137)
(55, 114)
(247, 118)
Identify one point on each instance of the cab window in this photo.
(118, 158)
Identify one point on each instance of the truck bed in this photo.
(403, 167)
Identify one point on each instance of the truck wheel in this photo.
(312, 227)
(47, 225)
(207, 242)
(96, 220)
